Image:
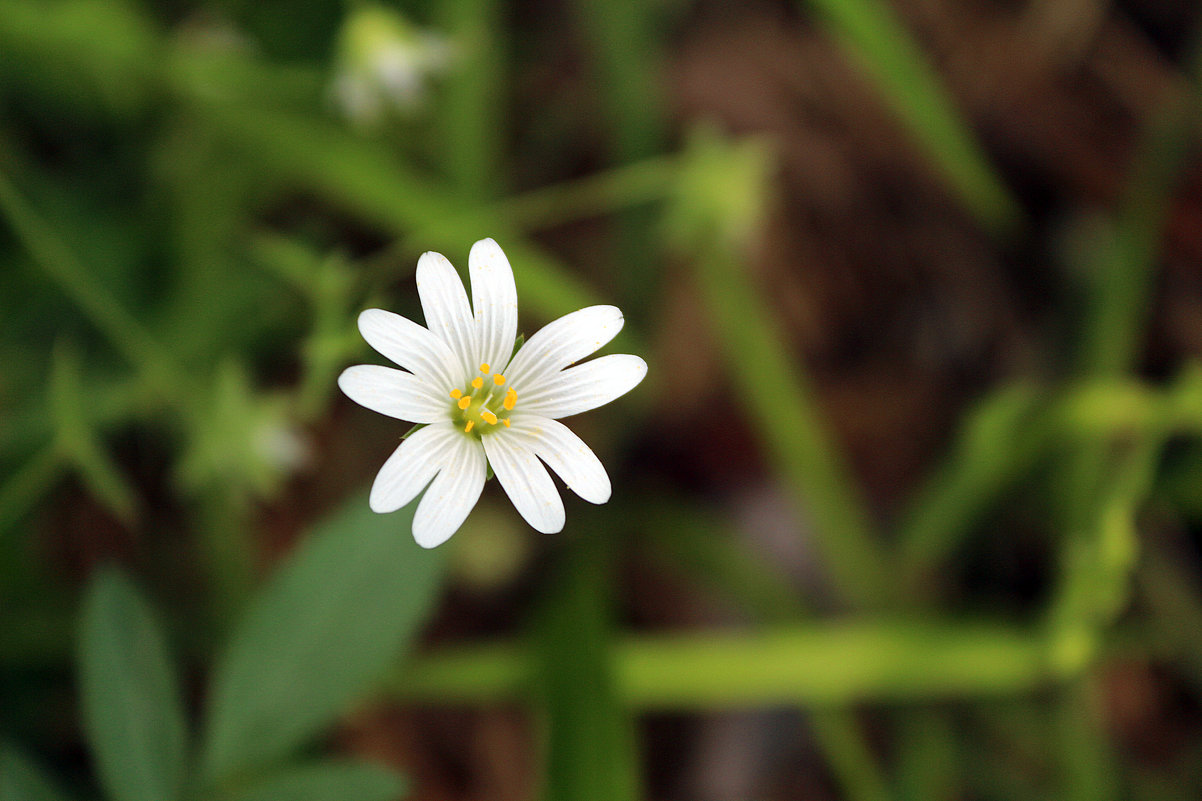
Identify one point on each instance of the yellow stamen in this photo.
(477, 382)
(464, 402)
(467, 428)
(489, 417)
(498, 379)
(506, 422)
(484, 368)
(455, 393)
(511, 397)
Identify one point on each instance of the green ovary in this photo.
(485, 406)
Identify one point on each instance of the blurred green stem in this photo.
(599, 194)
(625, 53)
(822, 666)
(775, 390)
(695, 540)
(872, 34)
(1175, 601)
(1008, 433)
(57, 261)
(368, 180)
(1000, 440)
(29, 484)
(624, 47)
(1103, 491)
(847, 751)
(1120, 283)
(472, 98)
(590, 753)
(1088, 772)
(928, 756)
(222, 523)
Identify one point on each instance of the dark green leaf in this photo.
(334, 617)
(131, 710)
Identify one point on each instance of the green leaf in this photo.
(334, 617)
(345, 781)
(22, 780)
(131, 709)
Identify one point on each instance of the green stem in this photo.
(1088, 772)
(472, 99)
(847, 751)
(1175, 601)
(23, 491)
(822, 666)
(695, 540)
(590, 754)
(599, 194)
(1104, 491)
(625, 54)
(58, 262)
(1000, 440)
(872, 34)
(776, 392)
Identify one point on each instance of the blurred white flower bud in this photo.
(384, 65)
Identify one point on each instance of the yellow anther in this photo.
(489, 417)
(467, 428)
(484, 368)
(511, 398)
(477, 382)
(498, 379)
(506, 422)
(464, 402)
(455, 393)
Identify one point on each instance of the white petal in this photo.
(584, 387)
(411, 346)
(495, 299)
(411, 466)
(394, 393)
(526, 482)
(452, 494)
(565, 453)
(563, 342)
(448, 314)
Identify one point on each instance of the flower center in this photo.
(485, 403)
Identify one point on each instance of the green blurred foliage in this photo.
(197, 199)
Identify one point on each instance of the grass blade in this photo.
(872, 34)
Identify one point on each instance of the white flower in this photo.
(481, 407)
